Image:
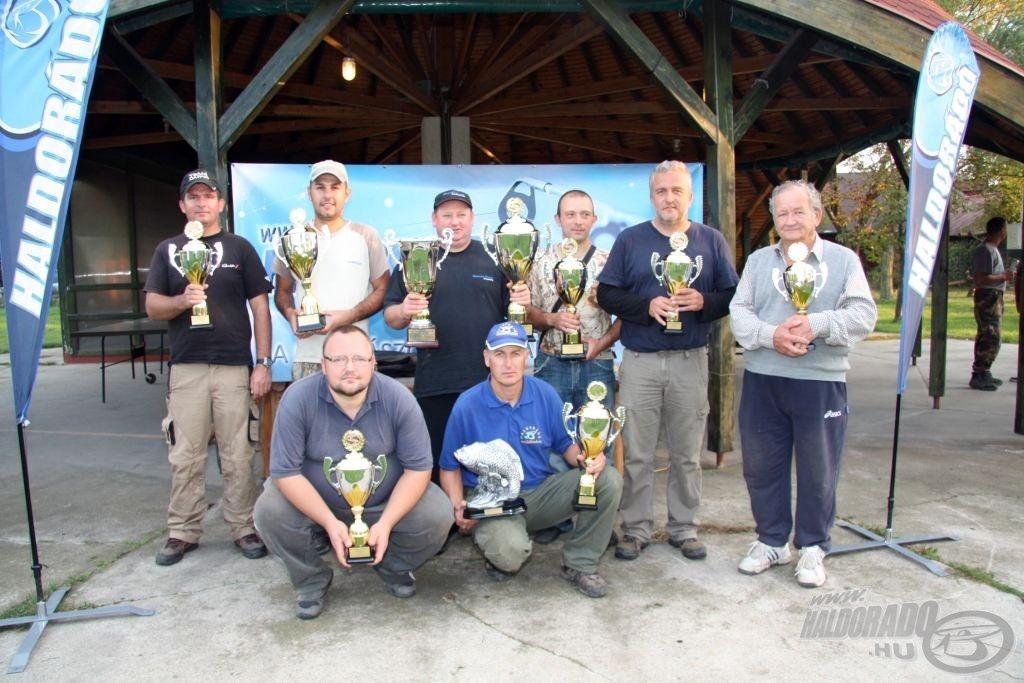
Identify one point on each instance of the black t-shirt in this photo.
(469, 297)
(239, 277)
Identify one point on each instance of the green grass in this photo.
(51, 338)
(960, 312)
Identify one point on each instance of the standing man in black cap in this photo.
(211, 378)
(470, 295)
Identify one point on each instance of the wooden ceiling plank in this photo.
(770, 82)
(539, 57)
(569, 93)
(618, 23)
(560, 138)
(151, 86)
(390, 72)
(292, 53)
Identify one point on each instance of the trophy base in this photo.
(585, 502)
(516, 506)
(200, 322)
(310, 322)
(528, 328)
(673, 327)
(360, 555)
(421, 337)
(572, 351)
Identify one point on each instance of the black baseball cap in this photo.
(198, 177)
(452, 195)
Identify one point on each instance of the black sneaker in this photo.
(981, 383)
(311, 607)
(545, 536)
(173, 551)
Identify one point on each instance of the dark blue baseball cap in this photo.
(506, 334)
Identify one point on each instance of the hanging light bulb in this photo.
(348, 69)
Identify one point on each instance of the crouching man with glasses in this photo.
(408, 516)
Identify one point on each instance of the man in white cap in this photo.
(351, 273)
(526, 414)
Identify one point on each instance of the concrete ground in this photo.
(100, 482)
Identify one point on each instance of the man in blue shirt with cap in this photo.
(526, 413)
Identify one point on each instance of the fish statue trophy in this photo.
(356, 478)
(570, 275)
(676, 272)
(298, 249)
(499, 477)
(196, 262)
(419, 261)
(594, 428)
(514, 246)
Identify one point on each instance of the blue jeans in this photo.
(570, 379)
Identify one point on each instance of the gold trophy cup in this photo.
(298, 249)
(196, 262)
(801, 282)
(593, 427)
(570, 276)
(514, 246)
(420, 260)
(676, 272)
(356, 478)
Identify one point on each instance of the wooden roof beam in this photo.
(624, 30)
(769, 83)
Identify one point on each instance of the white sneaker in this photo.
(810, 570)
(761, 556)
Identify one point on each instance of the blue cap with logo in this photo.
(506, 334)
(452, 196)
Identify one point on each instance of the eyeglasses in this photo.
(358, 362)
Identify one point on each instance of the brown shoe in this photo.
(691, 547)
(591, 585)
(629, 548)
(173, 551)
(251, 546)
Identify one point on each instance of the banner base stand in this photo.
(895, 544)
(46, 612)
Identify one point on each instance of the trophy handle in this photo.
(279, 249)
(567, 418)
(618, 418)
(820, 278)
(172, 252)
(547, 231)
(446, 241)
(215, 258)
(328, 471)
(780, 286)
(380, 471)
(698, 265)
(487, 245)
(390, 240)
(657, 265)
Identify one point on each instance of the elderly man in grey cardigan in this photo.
(796, 337)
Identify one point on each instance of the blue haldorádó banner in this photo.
(945, 93)
(47, 60)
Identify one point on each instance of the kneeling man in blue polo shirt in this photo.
(526, 413)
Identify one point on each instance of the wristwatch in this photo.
(265, 362)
